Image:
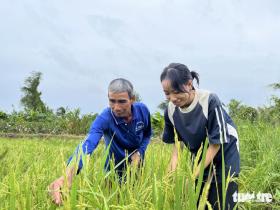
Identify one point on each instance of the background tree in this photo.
(3, 115)
(163, 105)
(234, 106)
(271, 113)
(60, 111)
(31, 99)
(275, 86)
(243, 112)
(137, 97)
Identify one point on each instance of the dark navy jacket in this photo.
(205, 119)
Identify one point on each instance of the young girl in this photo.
(196, 114)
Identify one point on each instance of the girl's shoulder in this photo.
(206, 96)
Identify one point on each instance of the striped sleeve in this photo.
(216, 125)
(168, 132)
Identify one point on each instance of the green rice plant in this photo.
(224, 187)
(31, 164)
(12, 192)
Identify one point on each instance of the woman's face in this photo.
(180, 99)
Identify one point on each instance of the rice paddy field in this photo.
(29, 165)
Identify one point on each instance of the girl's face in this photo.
(180, 99)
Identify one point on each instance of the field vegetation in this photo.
(30, 164)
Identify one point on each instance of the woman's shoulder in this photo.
(170, 107)
(207, 95)
(208, 100)
(203, 93)
(203, 96)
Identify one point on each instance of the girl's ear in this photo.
(190, 85)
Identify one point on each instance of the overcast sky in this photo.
(80, 46)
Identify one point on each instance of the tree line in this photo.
(36, 117)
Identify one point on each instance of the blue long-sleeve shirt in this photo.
(125, 138)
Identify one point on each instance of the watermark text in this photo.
(252, 197)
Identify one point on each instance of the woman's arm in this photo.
(210, 154)
(174, 157)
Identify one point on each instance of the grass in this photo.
(28, 166)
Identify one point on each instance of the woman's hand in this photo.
(211, 152)
(174, 160)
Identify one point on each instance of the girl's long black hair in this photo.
(178, 74)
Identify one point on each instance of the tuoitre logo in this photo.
(139, 126)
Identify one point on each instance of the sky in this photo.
(80, 46)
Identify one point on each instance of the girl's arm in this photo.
(174, 157)
(211, 152)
